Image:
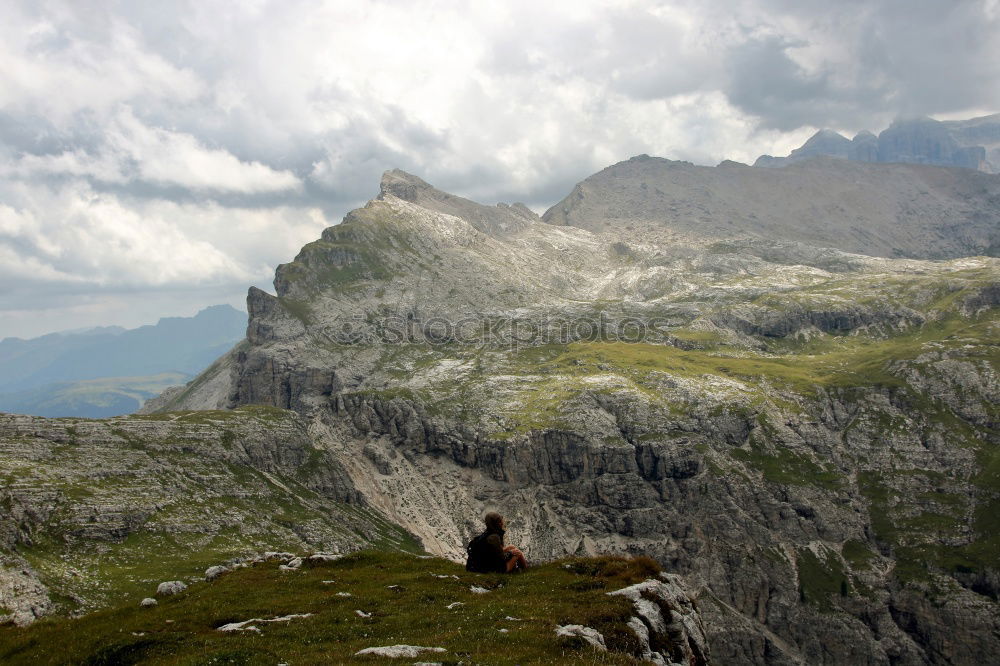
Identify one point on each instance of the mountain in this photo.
(730, 370)
(107, 371)
(872, 209)
(973, 144)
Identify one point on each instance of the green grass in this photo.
(182, 629)
(784, 466)
(301, 310)
(858, 555)
(820, 579)
(933, 542)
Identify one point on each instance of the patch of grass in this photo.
(934, 542)
(782, 465)
(301, 310)
(820, 579)
(857, 554)
(183, 629)
(615, 569)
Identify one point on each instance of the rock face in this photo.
(927, 141)
(667, 619)
(985, 132)
(805, 436)
(972, 144)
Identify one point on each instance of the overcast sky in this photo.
(159, 157)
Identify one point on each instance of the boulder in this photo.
(212, 573)
(170, 587)
(397, 651)
(591, 636)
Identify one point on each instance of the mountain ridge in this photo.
(73, 374)
(972, 144)
(887, 210)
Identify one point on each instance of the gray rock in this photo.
(170, 587)
(23, 596)
(397, 651)
(591, 636)
(319, 558)
(212, 573)
(666, 611)
(148, 602)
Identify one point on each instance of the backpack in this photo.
(477, 554)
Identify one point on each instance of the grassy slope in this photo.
(182, 629)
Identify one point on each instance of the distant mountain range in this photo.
(106, 371)
(973, 144)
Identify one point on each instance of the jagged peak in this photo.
(402, 185)
(502, 218)
(826, 134)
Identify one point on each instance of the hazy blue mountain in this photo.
(973, 144)
(90, 398)
(54, 375)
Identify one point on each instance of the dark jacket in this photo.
(486, 553)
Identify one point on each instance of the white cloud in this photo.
(78, 234)
(133, 151)
(164, 145)
(66, 58)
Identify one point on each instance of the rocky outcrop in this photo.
(927, 141)
(23, 597)
(667, 622)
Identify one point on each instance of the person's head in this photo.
(494, 522)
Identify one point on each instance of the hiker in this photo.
(487, 554)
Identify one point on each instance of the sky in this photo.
(160, 157)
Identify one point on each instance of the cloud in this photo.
(171, 146)
(134, 152)
(63, 245)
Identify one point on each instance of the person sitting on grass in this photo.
(487, 554)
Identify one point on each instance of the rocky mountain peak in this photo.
(405, 186)
(494, 220)
(825, 142)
